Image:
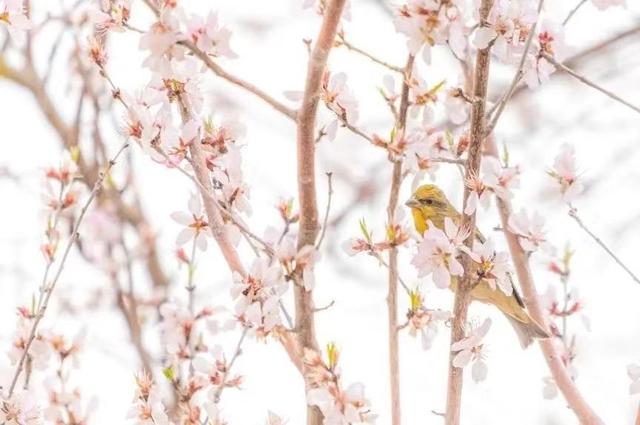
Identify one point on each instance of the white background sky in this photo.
(268, 38)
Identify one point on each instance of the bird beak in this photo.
(412, 203)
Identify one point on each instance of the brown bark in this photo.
(306, 122)
(462, 298)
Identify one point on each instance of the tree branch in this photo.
(463, 293)
(306, 121)
(561, 376)
(392, 294)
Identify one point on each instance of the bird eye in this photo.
(427, 201)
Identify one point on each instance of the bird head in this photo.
(428, 202)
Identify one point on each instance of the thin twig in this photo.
(573, 12)
(236, 354)
(516, 77)
(590, 83)
(327, 210)
(393, 276)
(573, 213)
(348, 45)
(50, 288)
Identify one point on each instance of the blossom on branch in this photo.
(195, 222)
(530, 231)
(565, 173)
(492, 267)
(437, 252)
(258, 295)
(471, 349)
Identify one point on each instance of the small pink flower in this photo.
(20, 409)
(437, 253)
(493, 267)
(501, 180)
(565, 173)
(13, 15)
(633, 370)
(196, 224)
(209, 36)
(471, 349)
(530, 231)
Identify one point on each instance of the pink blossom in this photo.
(338, 97)
(424, 321)
(565, 173)
(195, 222)
(500, 179)
(13, 15)
(342, 407)
(530, 231)
(633, 370)
(161, 40)
(493, 267)
(20, 409)
(113, 15)
(427, 23)
(471, 349)
(148, 408)
(437, 253)
(209, 36)
(508, 27)
(258, 295)
(479, 194)
(456, 107)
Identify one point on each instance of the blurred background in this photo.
(268, 38)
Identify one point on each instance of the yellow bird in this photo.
(429, 203)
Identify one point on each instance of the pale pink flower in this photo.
(195, 222)
(20, 409)
(437, 253)
(258, 295)
(456, 107)
(530, 231)
(565, 173)
(113, 15)
(338, 97)
(148, 408)
(537, 71)
(471, 349)
(40, 350)
(14, 17)
(419, 153)
(479, 194)
(633, 370)
(342, 407)
(161, 41)
(424, 321)
(501, 180)
(209, 36)
(493, 267)
(428, 23)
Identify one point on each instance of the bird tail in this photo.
(527, 330)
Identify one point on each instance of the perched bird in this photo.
(429, 204)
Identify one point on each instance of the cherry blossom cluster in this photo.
(52, 360)
(60, 196)
(338, 405)
(427, 23)
(396, 235)
(562, 305)
(497, 179)
(258, 296)
(423, 321)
